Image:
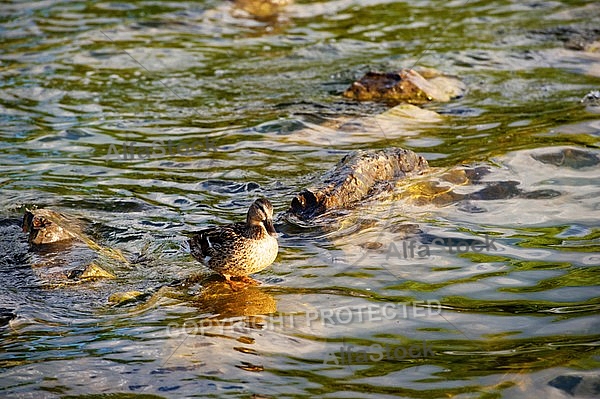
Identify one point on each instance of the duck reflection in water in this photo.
(218, 298)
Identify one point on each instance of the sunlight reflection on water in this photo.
(259, 101)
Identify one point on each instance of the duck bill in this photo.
(270, 228)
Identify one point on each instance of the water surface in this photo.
(218, 108)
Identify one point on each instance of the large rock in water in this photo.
(62, 248)
(406, 86)
(357, 176)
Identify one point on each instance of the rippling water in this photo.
(147, 120)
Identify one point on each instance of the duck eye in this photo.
(261, 209)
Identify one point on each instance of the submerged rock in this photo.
(46, 227)
(405, 86)
(262, 9)
(61, 252)
(569, 157)
(357, 176)
(90, 272)
(123, 298)
(583, 385)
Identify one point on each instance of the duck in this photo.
(239, 249)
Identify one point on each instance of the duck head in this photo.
(261, 214)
